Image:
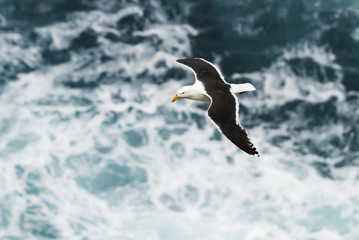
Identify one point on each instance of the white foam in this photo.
(320, 54)
(355, 34)
(191, 192)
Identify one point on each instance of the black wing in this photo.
(223, 111)
(205, 72)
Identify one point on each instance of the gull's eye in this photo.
(182, 92)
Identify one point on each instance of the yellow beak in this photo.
(175, 98)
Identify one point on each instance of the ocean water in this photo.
(91, 146)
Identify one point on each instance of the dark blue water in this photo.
(92, 148)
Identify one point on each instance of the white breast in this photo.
(200, 97)
(198, 93)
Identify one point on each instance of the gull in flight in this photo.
(223, 111)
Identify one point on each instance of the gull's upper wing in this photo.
(204, 71)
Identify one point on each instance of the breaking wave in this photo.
(92, 148)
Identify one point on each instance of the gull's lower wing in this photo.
(223, 112)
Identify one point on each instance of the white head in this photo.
(194, 92)
(183, 92)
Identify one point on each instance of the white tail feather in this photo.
(241, 88)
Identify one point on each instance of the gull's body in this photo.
(198, 93)
(223, 111)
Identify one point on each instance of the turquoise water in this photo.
(91, 146)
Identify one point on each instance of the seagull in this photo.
(210, 86)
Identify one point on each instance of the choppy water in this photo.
(92, 148)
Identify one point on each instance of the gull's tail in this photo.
(242, 88)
